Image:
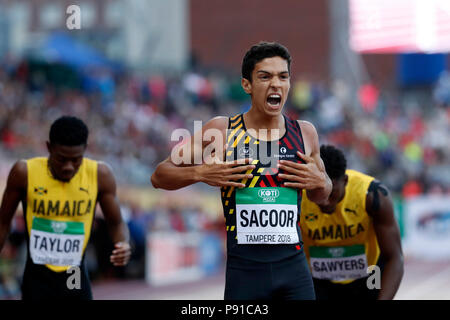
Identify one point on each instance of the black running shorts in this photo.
(41, 283)
(288, 279)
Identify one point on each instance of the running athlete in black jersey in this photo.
(261, 160)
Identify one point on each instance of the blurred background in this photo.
(372, 76)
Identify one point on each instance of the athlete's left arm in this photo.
(379, 207)
(109, 203)
(310, 175)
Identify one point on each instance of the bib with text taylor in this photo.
(59, 243)
(338, 263)
(266, 215)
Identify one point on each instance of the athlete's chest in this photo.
(52, 198)
(265, 157)
(346, 225)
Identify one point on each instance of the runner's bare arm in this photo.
(380, 208)
(180, 170)
(109, 204)
(311, 175)
(15, 191)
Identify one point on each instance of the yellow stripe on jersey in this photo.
(235, 123)
(254, 181)
(233, 132)
(239, 137)
(230, 192)
(234, 117)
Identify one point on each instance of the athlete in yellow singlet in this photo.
(357, 229)
(58, 196)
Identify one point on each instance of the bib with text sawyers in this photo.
(338, 263)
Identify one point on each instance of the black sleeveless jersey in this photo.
(262, 219)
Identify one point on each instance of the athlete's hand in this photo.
(121, 254)
(302, 175)
(225, 173)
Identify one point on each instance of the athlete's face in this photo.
(270, 85)
(64, 161)
(336, 195)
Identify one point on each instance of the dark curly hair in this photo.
(334, 161)
(261, 51)
(68, 131)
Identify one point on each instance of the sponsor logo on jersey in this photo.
(268, 195)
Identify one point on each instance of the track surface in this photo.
(422, 280)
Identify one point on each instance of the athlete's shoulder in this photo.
(20, 167)
(18, 174)
(310, 137)
(307, 127)
(35, 160)
(103, 168)
(219, 122)
(90, 162)
(105, 177)
(357, 175)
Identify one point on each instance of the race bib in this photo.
(58, 243)
(338, 263)
(266, 216)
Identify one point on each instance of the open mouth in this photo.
(274, 100)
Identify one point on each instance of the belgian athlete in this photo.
(59, 195)
(261, 160)
(354, 231)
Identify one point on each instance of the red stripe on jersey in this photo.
(295, 143)
(272, 183)
(288, 144)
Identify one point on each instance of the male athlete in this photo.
(355, 230)
(59, 196)
(267, 160)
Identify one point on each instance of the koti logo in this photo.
(336, 252)
(268, 195)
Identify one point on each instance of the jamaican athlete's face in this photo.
(64, 161)
(336, 195)
(269, 87)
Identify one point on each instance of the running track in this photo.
(422, 280)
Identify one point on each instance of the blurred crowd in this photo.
(400, 136)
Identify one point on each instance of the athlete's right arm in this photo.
(201, 164)
(15, 191)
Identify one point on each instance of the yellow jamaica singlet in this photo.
(340, 246)
(59, 214)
